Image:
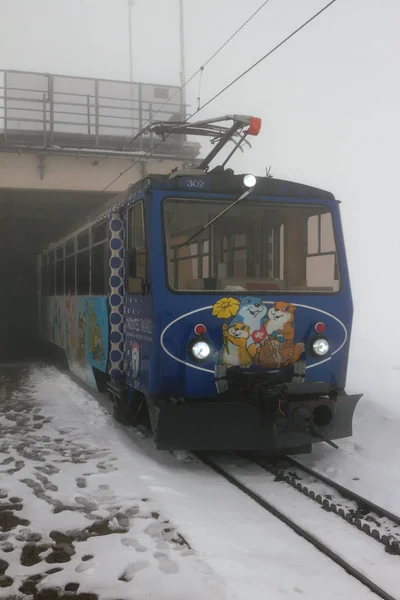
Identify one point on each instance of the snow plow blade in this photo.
(236, 425)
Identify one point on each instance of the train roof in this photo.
(227, 182)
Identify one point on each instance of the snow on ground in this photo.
(359, 550)
(70, 511)
(85, 503)
(368, 463)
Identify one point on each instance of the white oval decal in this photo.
(233, 308)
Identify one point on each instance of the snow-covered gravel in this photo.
(120, 520)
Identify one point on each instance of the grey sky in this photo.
(329, 99)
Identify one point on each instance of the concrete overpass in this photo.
(63, 140)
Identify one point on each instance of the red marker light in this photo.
(255, 126)
(200, 329)
(320, 327)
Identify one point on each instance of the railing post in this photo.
(88, 113)
(44, 121)
(140, 101)
(5, 105)
(150, 122)
(50, 87)
(97, 117)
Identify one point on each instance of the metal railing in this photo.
(46, 110)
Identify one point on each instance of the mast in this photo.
(182, 59)
(130, 5)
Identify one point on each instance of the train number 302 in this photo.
(195, 183)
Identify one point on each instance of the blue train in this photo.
(216, 306)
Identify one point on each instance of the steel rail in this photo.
(365, 506)
(298, 529)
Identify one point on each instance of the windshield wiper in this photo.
(207, 225)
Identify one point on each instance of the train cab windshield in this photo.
(256, 246)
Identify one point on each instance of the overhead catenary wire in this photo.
(259, 61)
(224, 89)
(199, 70)
(202, 67)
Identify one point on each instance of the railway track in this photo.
(375, 521)
(312, 537)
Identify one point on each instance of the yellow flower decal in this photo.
(225, 308)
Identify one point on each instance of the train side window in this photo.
(44, 276)
(70, 275)
(60, 271)
(137, 256)
(100, 233)
(82, 272)
(70, 272)
(99, 260)
(321, 261)
(83, 264)
(70, 247)
(51, 274)
(83, 240)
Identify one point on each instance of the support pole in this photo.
(130, 5)
(182, 53)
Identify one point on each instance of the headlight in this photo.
(321, 347)
(200, 350)
(249, 181)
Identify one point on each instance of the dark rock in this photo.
(102, 528)
(8, 506)
(15, 500)
(5, 581)
(3, 566)
(49, 594)
(28, 537)
(60, 537)
(57, 558)
(54, 570)
(30, 554)
(72, 587)
(61, 554)
(28, 588)
(29, 585)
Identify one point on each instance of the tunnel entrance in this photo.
(30, 220)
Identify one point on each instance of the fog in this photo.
(329, 101)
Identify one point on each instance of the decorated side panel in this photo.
(79, 325)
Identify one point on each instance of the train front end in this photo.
(253, 311)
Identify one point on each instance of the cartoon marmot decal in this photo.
(256, 335)
(253, 313)
(236, 353)
(279, 349)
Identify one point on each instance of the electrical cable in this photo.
(267, 55)
(201, 69)
(255, 64)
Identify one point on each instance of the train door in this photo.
(138, 305)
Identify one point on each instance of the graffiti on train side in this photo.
(79, 325)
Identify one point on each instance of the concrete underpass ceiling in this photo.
(30, 220)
